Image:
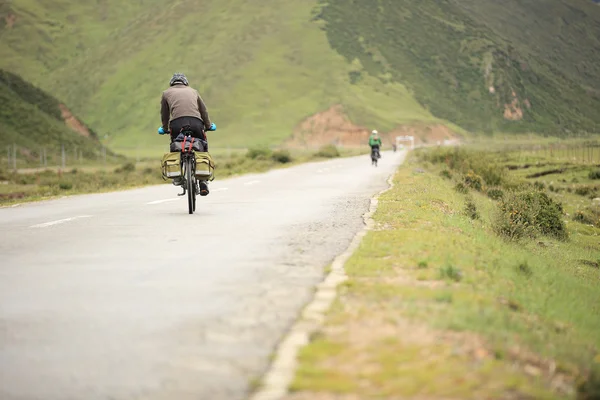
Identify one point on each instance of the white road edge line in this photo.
(281, 372)
(251, 183)
(161, 201)
(60, 221)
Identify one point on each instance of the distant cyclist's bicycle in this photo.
(375, 156)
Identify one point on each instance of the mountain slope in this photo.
(264, 67)
(462, 70)
(33, 119)
(565, 34)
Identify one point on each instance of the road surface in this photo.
(126, 296)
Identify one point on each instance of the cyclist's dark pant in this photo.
(196, 126)
(373, 148)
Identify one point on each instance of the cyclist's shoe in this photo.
(178, 181)
(203, 189)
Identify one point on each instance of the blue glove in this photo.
(161, 131)
(213, 127)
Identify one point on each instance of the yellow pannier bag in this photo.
(205, 166)
(171, 165)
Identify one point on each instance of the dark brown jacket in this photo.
(182, 101)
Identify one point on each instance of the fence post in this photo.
(14, 158)
(63, 155)
(8, 155)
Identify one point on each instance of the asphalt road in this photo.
(126, 296)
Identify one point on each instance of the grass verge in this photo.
(439, 305)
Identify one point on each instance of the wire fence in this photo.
(19, 157)
(575, 153)
(67, 156)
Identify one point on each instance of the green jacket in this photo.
(373, 141)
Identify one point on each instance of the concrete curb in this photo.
(279, 376)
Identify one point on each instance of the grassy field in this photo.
(456, 295)
(45, 183)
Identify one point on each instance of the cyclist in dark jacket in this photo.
(181, 106)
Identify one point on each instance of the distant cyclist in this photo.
(375, 143)
(181, 106)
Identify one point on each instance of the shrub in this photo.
(461, 188)
(450, 272)
(328, 151)
(281, 156)
(583, 217)
(495, 194)
(126, 168)
(446, 174)
(585, 191)
(471, 209)
(588, 217)
(588, 387)
(528, 214)
(422, 264)
(260, 153)
(474, 181)
(65, 185)
(462, 160)
(525, 269)
(539, 185)
(594, 174)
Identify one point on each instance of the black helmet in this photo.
(178, 78)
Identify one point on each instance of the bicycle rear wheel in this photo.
(191, 190)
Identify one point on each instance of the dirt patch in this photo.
(334, 127)
(426, 133)
(73, 123)
(12, 196)
(10, 20)
(442, 206)
(513, 111)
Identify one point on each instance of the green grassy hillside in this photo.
(262, 68)
(32, 119)
(452, 60)
(565, 34)
(265, 66)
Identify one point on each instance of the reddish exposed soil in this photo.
(513, 111)
(334, 127)
(73, 123)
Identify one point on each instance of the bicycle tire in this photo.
(190, 185)
(194, 180)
